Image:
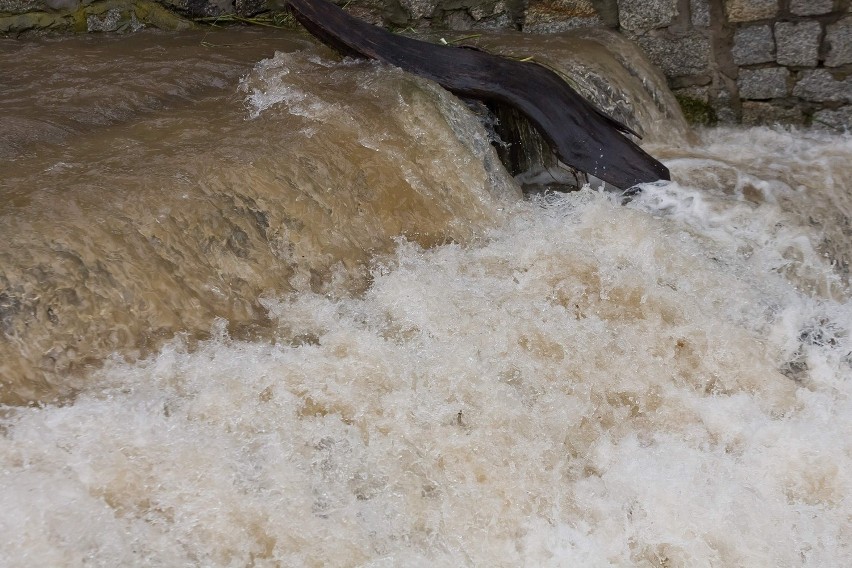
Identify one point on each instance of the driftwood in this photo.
(582, 136)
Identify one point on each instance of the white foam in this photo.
(593, 385)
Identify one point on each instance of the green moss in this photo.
(696, 111)
(32, 21)
(146, 12)
(151, 13)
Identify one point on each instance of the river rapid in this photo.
(261, 306)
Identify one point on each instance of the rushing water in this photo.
(278, 309)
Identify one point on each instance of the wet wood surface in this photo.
(582, 136)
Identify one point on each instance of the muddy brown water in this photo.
(261, 306)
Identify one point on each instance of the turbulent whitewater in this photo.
(282, 309)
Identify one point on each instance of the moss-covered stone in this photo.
(126, 13)
(696, 111)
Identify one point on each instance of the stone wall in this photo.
(728, 61)
(749, 61)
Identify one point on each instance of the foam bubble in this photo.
(593, 384)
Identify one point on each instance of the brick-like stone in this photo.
(755, 113)
(677, 57)
(699, 13)
(695, 92)
(549, 16)
(562, 8)
(811, 7)
(798, 44)
(419, 8)
(107, 22)
(838, 119)
(760, 84)
(643, 15)
(750, 10)
(820, 86)
(458, 20)
(838, 38)
(753, 44)
(21, 6)
(560, 25)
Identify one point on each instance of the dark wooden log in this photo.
(581, 135)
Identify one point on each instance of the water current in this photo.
(261, 306)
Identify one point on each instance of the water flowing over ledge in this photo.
(450, 375)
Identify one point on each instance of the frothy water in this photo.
(573, 381)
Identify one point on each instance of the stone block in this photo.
(559, 25)
(62, 5)
(459, 20)
(21, 6)
(107, 22)
(753, 44)
(695, 105)
(200, 8)
(834, 119)
(838, 38)
(750, 10)
(819, 85)
(696, 92)
(487, 10)
(699, 13)
(762, 84)
(755, 113)
(811, 7)
(549, 16)
(607, 11)
(798, 44)
(643, 15)
(561, 8)
(677, 57)
(419, 8)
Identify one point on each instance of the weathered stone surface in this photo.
(753, 44)
(750, 10)
(679, 56)
(820, 86)
(838, 37)
(376, 12)
(699, 13)
(548, 16)
(755, 113)
(496, 22)
(798, 44)
(643, 15)
(20, 6)
(61, 5)
(811, 7)
(839, 119)
(419, 8)
(88, 15)
(196, 8)
(698, 93)
(723, 101)
(561, 8)
(763, 83)
(250, 7)
(20, 23)
(107, 22)
(607, 11)
(563, 25)
(694, 103)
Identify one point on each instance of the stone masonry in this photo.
(748, 61)
(728, 61)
